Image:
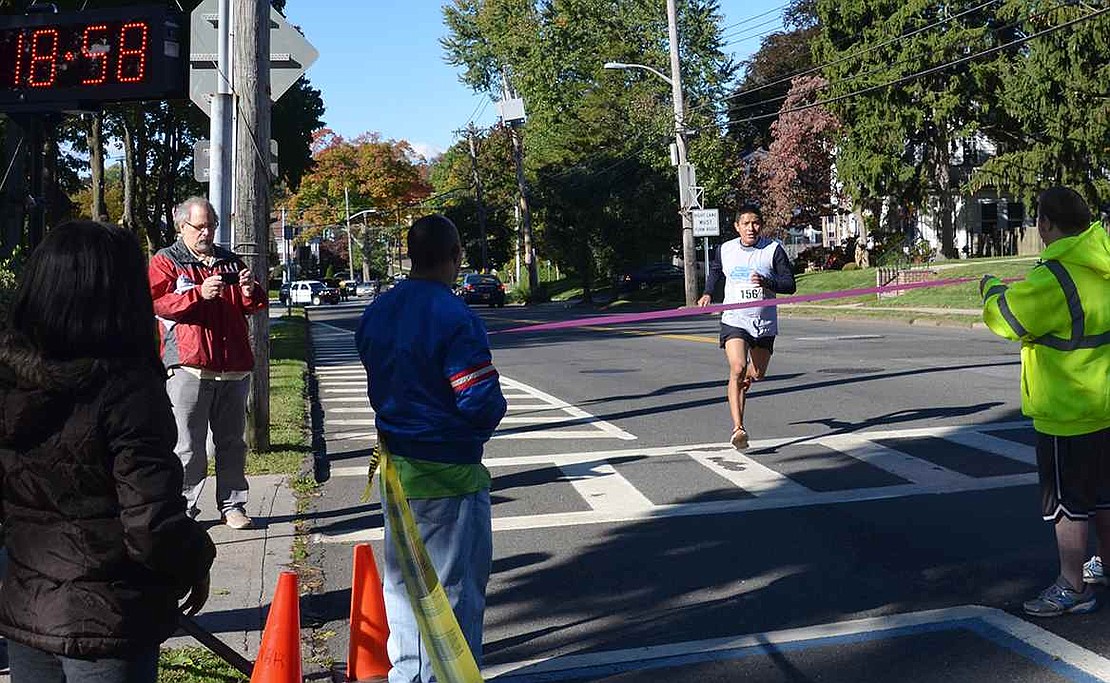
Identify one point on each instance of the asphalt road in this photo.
(883, 526)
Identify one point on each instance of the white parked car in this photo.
(313, 292)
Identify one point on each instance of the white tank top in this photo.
(738, 263)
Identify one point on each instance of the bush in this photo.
(849, 266)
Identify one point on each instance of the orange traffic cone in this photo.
(367, 658)
(279, 657)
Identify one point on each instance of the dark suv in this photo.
(481, 289)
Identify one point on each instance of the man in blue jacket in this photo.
(436, 399)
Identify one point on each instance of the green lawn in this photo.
(953, 296)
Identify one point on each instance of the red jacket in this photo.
(203, 333)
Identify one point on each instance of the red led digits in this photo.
(132, 61)
(18, 60)
(97, 53)
(43, 62)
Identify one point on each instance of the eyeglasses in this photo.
(201, 228)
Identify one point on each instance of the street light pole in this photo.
(685, 174)
(350, 242)
(689, 257)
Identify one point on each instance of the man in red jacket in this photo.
(202, 294)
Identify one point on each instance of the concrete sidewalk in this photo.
(247, 565)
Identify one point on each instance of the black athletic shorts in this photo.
(730, 332)
(1075, 474)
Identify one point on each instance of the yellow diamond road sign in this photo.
(290, 54)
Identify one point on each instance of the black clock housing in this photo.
(76, 60)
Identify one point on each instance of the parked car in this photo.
(313, 292)
(649, 275)
(485, 289)
(367, 288)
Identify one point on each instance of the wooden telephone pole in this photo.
(252, 190)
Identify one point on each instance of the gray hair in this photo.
(181, 211)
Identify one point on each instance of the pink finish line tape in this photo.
(623, 318)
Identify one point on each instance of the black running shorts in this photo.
(730, 332)
(1075, 474)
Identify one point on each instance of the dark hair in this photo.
(432, 241)
(85, 294)
(1064, 209)
(747, 208)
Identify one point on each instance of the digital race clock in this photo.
(74, 59)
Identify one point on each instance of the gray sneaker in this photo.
(237, 519)
(1060, 598)
(1092, 571)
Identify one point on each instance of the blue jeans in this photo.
(30, 665)
(458, 536)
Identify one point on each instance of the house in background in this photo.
(986, 223)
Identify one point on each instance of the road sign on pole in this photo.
(201, 168)
(290, 54)
(707, 222)
(202, 150)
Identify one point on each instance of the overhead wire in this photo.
(932, 70)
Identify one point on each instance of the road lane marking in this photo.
(603, 489)
(895, 462)
(592, 472)
(747, 474)
(1043, 647)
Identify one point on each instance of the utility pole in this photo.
(471, 133)
(689, 256)
(222, 128)
(252, 219)
(350, 241)
(522, 188)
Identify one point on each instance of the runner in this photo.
(754, 267)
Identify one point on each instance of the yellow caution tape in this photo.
(452, 660)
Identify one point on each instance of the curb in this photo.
(920, 322)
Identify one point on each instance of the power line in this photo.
(751, 31)
(848, 79)
(853, 55)
(931, 70)
(753, 18)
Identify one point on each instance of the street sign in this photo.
(707, 222)
(290, 54)
(202, 149)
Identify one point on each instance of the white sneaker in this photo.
(739, 439)
(237, 519)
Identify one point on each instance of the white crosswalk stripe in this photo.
(611, 497)
(533, 414)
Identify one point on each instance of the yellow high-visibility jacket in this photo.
(1061, 315)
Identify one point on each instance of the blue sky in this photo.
(381, 66)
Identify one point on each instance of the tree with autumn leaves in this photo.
(384, 180)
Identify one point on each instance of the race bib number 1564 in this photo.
(753, 293)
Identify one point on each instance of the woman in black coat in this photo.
(100, 550)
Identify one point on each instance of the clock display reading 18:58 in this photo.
(75, 59)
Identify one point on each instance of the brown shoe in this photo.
(237, 519)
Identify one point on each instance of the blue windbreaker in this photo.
(432, 384)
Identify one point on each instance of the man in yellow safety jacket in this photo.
(1061, 315)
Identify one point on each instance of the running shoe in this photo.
(1092, 571)
(1060, 598)
(739, 439)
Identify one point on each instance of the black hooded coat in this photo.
(100, 549)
